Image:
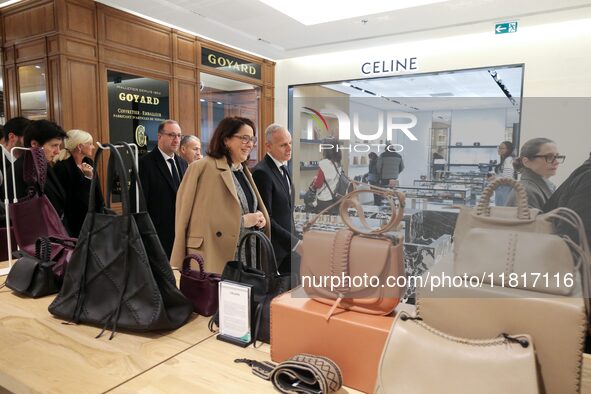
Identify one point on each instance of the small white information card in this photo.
(234, 312)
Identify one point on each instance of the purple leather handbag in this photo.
(199, 286)
(34, 216)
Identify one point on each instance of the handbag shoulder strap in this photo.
(350, 201)
(268, 259)
(35, 168)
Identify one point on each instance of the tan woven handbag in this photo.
(355, 253)
(419, 359)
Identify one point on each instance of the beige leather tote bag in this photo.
(419, 359)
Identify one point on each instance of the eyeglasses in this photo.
(246, 139)
(551, 158)
(173, 135)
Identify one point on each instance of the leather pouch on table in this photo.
(33, 276)
(300, 374)
(200, 287)
(355, 252)
(419, 359)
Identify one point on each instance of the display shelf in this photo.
(436, 194)
(473, 147)
(309, 168)
(463, 165)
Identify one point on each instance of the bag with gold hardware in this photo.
(349, 268)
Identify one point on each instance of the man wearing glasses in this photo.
(161, 172)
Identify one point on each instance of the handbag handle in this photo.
(119, 168)
(135, 178)
(483, 207)
(348, 201)
(267, 249)
(35, 168)
(186, 268)
(43, 249)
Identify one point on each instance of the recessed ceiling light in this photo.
(7, 3)
(312, 12)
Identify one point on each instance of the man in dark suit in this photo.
(276, 188)
(161, 172)
(12, 136)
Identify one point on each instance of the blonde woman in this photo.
(74, 169)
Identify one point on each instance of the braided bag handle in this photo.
(187, 265)
(483, 207)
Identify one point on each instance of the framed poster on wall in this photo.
(137, 105)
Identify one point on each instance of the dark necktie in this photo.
(176, 179)
(286, 177)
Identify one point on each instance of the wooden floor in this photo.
(38, 353)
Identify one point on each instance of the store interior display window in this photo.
(32, 83)
(454, 122)
(221, 97)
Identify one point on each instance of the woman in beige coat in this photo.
(217, 200)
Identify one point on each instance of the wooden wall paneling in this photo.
(54, 88)
(186, 113)
(79, 48)
(138, 63)
(53, 45)
(11, 98)
(77, 18)
(268, 72)
(30, 50)
(130, 33)
(28, 19)
(184, 72)
(8, 54)
(184, 49)
(81, 96)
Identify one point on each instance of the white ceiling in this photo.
(254, 27)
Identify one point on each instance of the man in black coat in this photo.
(161, 172)
(12, 137)
(574, 193)
(276, 188)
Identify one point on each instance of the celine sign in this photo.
(225, 62)
(389, 66)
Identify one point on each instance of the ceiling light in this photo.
(312, 12)
(7, 3)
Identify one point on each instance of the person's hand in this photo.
(256, 219)
(86, 169)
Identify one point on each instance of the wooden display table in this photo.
(39, 353)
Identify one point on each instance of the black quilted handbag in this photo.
(119, 276)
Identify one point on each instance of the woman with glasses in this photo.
(74, 169)
(218, 201)
(537, 162)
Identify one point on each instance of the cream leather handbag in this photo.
(419, 359)
(529, 281)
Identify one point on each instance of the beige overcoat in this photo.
(208, 214)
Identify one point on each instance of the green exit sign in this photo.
(507, 27)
